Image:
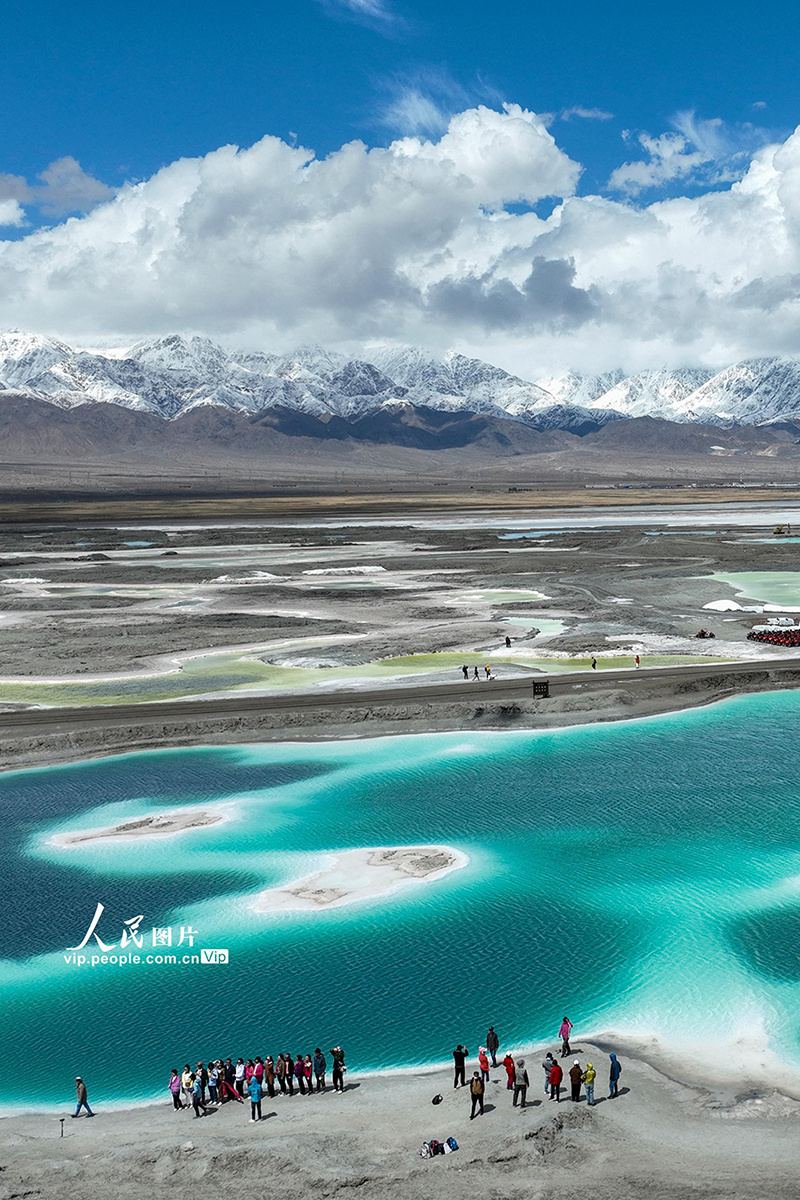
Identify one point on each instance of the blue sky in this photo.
(127, 88)
(549, 187)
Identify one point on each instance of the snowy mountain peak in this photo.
(317, 359)
(174, 374)
(177, 353)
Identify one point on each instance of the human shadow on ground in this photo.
(622, 1092)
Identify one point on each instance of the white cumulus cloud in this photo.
(431, 240)
(11, 212)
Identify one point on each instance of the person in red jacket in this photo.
(508, 1063)
(556, 1075)
(483, 1063)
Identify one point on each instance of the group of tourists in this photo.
(518, 1080)
(227, 1081)
(475, 672)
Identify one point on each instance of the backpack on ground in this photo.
(436, 1147)
(452, 1143)
(425, 1150)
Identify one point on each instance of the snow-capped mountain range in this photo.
(172, 375)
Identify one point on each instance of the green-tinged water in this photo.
(766, 587)
(642, 876)
(213, 673)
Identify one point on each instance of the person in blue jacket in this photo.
(613, 1077)
(255, 1092)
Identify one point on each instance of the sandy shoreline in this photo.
(662, 1137)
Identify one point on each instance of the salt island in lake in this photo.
(363, 874)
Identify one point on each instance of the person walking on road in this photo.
(83, 1099)
(547, 1066)
(636, 660)
(575, 1079)
(521, 1083)
(556, 1075)
(613, 1077)
(460, 1059)
(477, 1088)
(492, 1044)
(508, 1063)
(465, 672)
(475, 674)
(588, 1077)
(563, 1033)
(594, 663)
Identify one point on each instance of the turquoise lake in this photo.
(641, 876)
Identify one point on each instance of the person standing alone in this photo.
(563, 1033)
(83, 1099)
(492, 1044)
(613, 1077)
(476, 1087)
(255, 1092)
(460, 1058)
(521, 1082)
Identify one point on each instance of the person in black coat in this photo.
(460, 1058)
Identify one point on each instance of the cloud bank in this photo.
(426, 240)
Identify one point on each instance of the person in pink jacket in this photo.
(175, 1088)
(563, 1033)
